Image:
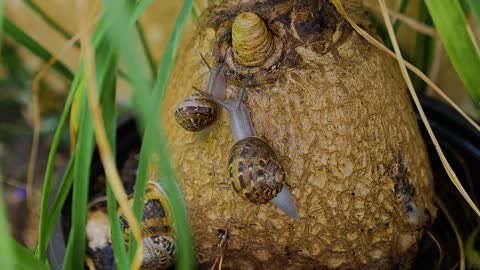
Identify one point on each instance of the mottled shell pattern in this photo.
(157, 228)
(196, 112)
(255, 171)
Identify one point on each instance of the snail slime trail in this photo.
(330, 109)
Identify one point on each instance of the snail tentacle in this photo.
(211, 97)
(206, 63)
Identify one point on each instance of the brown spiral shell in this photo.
(252, 42)
(196, 112)
(157, 228)
(254, 170)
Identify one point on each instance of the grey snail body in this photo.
(254, 169)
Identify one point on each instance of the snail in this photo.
(254, 169)
(157, 229)
(196, 112)
(251, 41)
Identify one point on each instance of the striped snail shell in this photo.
(196, 112)
(252, 42)
(254, 169)
(157, 228)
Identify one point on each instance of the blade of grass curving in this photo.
(450, 220)
(106, 66)
(418, 72)
(168, 56)
(458, 41)
(60, 198)
(26, 41)
(423, 47)
(74, 254)
(49, 20)
(474, 6)
(47, 181)
(148, 110)
(140, 8)
(27, 259)
(148, 54)
(104, 148)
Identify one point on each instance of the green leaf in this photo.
(424, 48)
(455, 33)
(106, 66)
(474, 6)
(140, 8)
(49, 20)
(43, 236)
(147, 105)
(74, 256)
(27, 259)
(26, 41)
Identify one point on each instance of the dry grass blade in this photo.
(455, 230)
(439, 247)
(413, 23)
(37, 118)
(105, 151)
(414, 69)
(403, 65)
(407, 79)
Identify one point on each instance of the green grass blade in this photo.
(1, 21)
(474, 6)
(106, 65)
(148, 54)
(456, 37)
(424, 48)
(6, 248)
(28, 260)
(471, 253)
(167, 62)
(140, 8)
(43, 237)
(60, 198)
(49, 20)
(140, 184)
(147, 109)
(74, 256)
(26, 41)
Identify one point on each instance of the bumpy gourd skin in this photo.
(335, 111)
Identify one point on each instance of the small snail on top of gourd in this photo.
(254, 169)
(157, 228)
(196, 112)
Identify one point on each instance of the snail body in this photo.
(195, 112)
(254, 169)
(157, 229)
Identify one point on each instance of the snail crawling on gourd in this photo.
(335, 110)
(255, 172)
(157, 229)
(196, 112)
